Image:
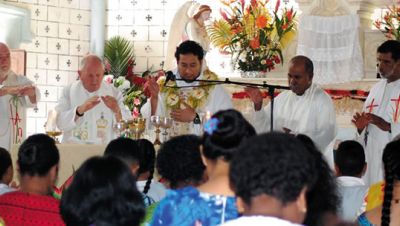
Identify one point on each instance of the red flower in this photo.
(236, 28)
(255, 43)
(277, 5)
(261, 21)
(277, 60)
(139, 81)
(289, 15)
(223, 14)
(253, 3)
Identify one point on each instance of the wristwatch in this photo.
(78, 114)
(196, 119)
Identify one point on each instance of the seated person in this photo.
(6, 171)
(389, 212)
(145, 183)
(271, 174)
(33, 204)
(213, 202)
(350, 166)
(88, 108)
(102, 193)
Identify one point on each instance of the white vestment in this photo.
(218, 99)
(11, 122)
(352, 191)
(259, 220)
(383, 101)
(96, 125)
(312, 114)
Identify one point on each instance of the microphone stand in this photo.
(264, 85)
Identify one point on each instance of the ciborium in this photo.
(136, 127)
(166, 123)
(156, 121)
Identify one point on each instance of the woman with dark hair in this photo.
(103, 193)
(145, 183)
(389, 212)
(34, 204)
(322, 199)
(213, 202)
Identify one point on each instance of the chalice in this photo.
(119, 128)
(156, 120)
(50, 126)
(137, 126)
(166, 123)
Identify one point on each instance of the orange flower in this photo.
(236, 28)
(261, 21)
(255, 43)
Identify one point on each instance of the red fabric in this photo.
(23, 209)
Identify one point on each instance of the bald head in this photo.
(5, 62)
(91, 72)
(301, 71)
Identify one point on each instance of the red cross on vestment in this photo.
(396, 112)
(371, 106)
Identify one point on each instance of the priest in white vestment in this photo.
(17, 88)
(186, 106)
(379, 123)
(88, 108)
(305, 108)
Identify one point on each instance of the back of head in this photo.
(103, 193)
(125, 149)
(37, 155)
(391, 163)
(148, 157)
(189, 47)
(223, 134)
(5, 162)
(390, 46)
(274, 164)
(303, 60)
(179, 161)
(350, 158)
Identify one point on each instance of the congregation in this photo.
(220, 171)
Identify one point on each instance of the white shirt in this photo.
(157, 190)
(381, 102)
(259, 221)
(96, 125)
(8, 130)
(4, 188)
(312, 114)
(352, 191)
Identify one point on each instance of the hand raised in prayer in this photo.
(361, 120)
(183, 115)
(255, 96)
(151, 86)
(89, 104)
(10, 90)
(27, 91)
(379, 122)
(111, 103)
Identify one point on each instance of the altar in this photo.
(71, 157)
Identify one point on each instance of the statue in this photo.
(188, 23)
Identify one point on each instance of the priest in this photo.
(378, 123)
(305, 108)
(88, 108)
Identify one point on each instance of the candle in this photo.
(208, 115)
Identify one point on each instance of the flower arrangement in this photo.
(252, 34)
(389, 24)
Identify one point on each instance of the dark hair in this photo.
(179, 161)
(390, 46)
(391, 163)
(275, 164)
(230, 130)
(322, 198)
(308, 64)
(103, 193)
(5, 162)
(125, 149)
(189, 47)
(350, 158)
(37, 155)
(147, 161)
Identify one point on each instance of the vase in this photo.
(253, 74)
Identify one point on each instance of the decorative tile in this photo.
(39, 111)
(111, 5)
(83, 32)
(149, 48)
(112, 17)
(111, 31)
(47, 29)
(136, 33)
(37, 76)
(69, 31)
(85, 4)
(78, 48)
(168, 17)
(74, 4)
(38, 12)
(57, 14)
(38, 45)
(40, 123)
(34, 27)
(57, 78)
(31, 60)
(72, 77)
(80, 17)
(140, 4)
(57, 46)
(141, 64)
(48, 93)
(29, 1)
(158, 33)
(30, 126)
(126, 18)
(68, 63)
(156, 63)
(127, 4)
(49, 2)
(47, 61)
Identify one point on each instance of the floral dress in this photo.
(189, 206)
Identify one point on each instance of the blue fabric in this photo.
(187, 205)
(363, 220)
(147, 200)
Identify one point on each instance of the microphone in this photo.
(170, 77)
